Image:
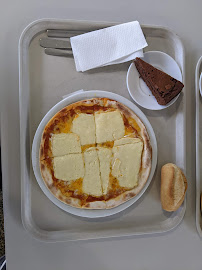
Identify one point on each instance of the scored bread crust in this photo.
(171, 177)
(145, 162)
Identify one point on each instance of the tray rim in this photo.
(24, 41)
(197, 96)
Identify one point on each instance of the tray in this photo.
(43, 81)
(198, 146)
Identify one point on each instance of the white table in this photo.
(178, 249)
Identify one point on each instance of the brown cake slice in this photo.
(163, 86)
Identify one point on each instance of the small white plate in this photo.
(138, 89)
(74, 97)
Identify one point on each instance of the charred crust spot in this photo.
(41, 151)
(148, 146)
(68, 201)
(130, 195)
(42, 167)
(85, 101)
(123, 109)
(44, 135)
(72, 112)
(99, 107)
(51, 186)
(92, 198)
(56, 121)
(82, 109)
(105, 101)
(64, 110)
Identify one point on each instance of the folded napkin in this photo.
(112, 45)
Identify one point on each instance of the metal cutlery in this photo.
(53, 45)
(64, 33)
(58, 52)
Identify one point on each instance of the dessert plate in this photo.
(138, 89)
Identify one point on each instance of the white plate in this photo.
(74, 97)
(138, 89)
(200, 84)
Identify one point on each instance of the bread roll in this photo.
(173, 187)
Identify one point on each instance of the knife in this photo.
(64, 33)
(54, 43)
(58, 52)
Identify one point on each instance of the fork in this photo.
(57, 42)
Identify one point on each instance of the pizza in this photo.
(95, 154)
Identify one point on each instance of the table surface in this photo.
(178, 249)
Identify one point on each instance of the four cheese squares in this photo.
(97, 164)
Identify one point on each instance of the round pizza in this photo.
(95, 154)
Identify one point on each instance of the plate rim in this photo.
(132, 96)
(76, 96)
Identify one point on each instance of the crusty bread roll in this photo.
(173, 187)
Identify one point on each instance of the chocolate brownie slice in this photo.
(163, 86)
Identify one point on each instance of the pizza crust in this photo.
(95, 205)
(103, 104)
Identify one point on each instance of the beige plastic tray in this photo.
(43, 81)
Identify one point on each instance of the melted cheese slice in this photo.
(84, 126)
(92, 182)
(109, 126)
(105, 155)
(65, 143)
(126, 163)
(126, 140)
(69, 167)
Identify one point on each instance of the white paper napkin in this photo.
(112, 45)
